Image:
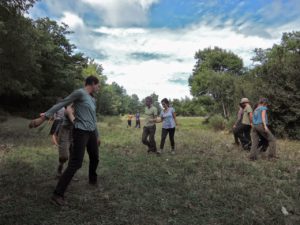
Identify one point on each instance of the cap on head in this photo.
(244, 100)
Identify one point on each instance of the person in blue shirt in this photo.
(260, 128)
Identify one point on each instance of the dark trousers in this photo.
(128, 123)
(149, 132)
(81, 139)
(164, 134)
(137, 124)
(243, 133)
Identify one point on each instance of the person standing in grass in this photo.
(129, 118)
(260, 128)
(169, 122)
(85, 135)
(237, 125)
(245, 127)
(148, 136)
(137, 120)
(65, 139)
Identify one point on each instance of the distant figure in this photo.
(260, 128)
(65, 139)
(129, 118)
(149, 127)
(58, 119)
(168, 118)
(137, 120)
(245, 127)
(237, 125)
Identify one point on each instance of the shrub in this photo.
(217, 122)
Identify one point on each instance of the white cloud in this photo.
(172, 49)
(122, 13)
(72, 20)
(153, 75)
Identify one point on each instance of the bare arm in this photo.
(251, 117)
(263, 117)
(174, 116)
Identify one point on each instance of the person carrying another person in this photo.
(85, 135)
(260, 128)
(168, 118)
(244, 129)
(148, 136)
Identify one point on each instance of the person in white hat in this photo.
(246, 124)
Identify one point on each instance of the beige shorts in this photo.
(65, 139)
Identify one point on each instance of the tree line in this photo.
(220, 76)
(38, 64)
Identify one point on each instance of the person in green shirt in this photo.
(148, 136)
(85, 135)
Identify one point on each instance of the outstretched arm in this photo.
(66, 101)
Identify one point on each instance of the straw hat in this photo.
(244, 100)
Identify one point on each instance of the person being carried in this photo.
(149, 127)
(260, 128)
(65, 139)
(57, 121)
(169, 122)
(85, 135)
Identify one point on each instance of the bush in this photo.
(217, 122)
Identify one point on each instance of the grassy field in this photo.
(208, 181)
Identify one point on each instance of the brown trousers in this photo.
(258, 130)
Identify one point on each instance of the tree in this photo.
(214, 75)
(279, 72)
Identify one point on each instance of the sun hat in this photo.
(244, 100)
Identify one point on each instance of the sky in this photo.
(148, 46)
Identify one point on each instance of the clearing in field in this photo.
(208, 181)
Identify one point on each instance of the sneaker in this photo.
(58, 200)
(173, 152)
(159, 152)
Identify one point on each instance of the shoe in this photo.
(159, 152)
(173, 152)
(58, 200)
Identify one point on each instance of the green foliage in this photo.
(275, 76)
(217, 122)
(37, 61)
(214, 75)
(281, 84)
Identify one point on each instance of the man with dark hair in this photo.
(85, 134)
(149, 127)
